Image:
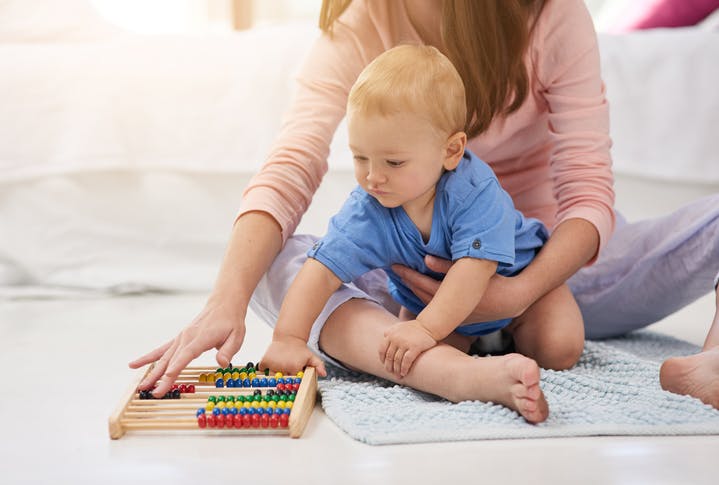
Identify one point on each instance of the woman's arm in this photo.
(254, 243)
(573, 243)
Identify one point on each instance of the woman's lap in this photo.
(648, 270)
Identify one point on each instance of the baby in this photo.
(421, 192)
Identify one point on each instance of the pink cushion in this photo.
(649, 14)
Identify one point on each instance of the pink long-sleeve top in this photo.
(552, 155)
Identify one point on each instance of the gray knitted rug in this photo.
(613, 390)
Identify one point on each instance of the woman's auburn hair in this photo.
(486, 40)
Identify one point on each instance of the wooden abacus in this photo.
(180, 413)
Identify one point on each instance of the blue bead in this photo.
(263, 382)
(261, 411)
(238, 382)
(199, 412)
(225, 411)
(255, 382)
(281, 380)
(272, 382)
(251, 411)
(287, 410)
(298, 380)
(233, 411)
(219, 383)
(243, 411)
(230, 383)
(216, 411)
(246, 383)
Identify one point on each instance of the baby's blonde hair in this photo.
(414, 78)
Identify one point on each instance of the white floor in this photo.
(65, 370)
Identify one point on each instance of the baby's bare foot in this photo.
(511, 380)
(695, 375)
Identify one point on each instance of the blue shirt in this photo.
(473, 217)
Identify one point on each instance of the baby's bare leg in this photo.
(353, 334)
(551, 331)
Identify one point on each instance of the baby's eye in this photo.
(395, 163)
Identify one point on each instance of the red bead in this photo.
(220, 421)
(238, 420)
(191, 389)
(295, 387)
(255, 420)
(212, 421)
(202, 421)
(265, 420)
(284, 420)
(229, 421)
(246, 421)
(280, 387)
(274, 421)
(182, 388)
(174, 386)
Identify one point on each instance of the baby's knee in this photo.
(566, 356)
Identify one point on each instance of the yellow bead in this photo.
(221, 404)
(227, 376)
(300, 374)
(236, 375)
(247, 404)
(271, 404)
(251, 375)
(201, 378)
(209, 406)
(243, 375)
(281, 404)
(218, 375)
(288, 404)
(278, 375)
(255, 404)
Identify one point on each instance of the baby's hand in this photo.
(290, 355)
(403, 343)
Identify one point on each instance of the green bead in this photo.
(220, 398)
(220, 370)
(230, 399)
(283, 397)
(211, 399)
(257, 398)
(267, 371)
(275, 397)
(266, 398)
(244, 369)
(240, 398)
(292, 397)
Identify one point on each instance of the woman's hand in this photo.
(289, 355)
(504, 297)
(219, 325)
(403, 343)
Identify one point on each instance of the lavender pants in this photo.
(648, 270)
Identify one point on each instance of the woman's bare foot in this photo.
(511, 380)
(696, 375)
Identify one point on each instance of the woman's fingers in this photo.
(421, 285)
(159, 367)
(183, 355)
(438, 265)
(151, 356)
(230, 347)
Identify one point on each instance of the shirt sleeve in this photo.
(566, 59)
(298, 160)
(482, 225)
(355, 242)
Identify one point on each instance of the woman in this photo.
(538, 117)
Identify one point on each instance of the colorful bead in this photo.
(284, 420)
(256, 420)
(278, 375)
(246, 383)
(202, 421)
(237, 421)
(300, 374)
(199, 412)
(220, 421)
(219, 383)
(212, 421)
(230, 383)
(216, 411)
(255, 382)
(274, 421)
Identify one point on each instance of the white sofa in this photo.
(123, 157)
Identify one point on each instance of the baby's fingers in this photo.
(317, 363)
(383, 350)
(407, 361)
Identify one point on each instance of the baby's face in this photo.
(398, 159)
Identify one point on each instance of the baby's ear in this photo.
(455, 150)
